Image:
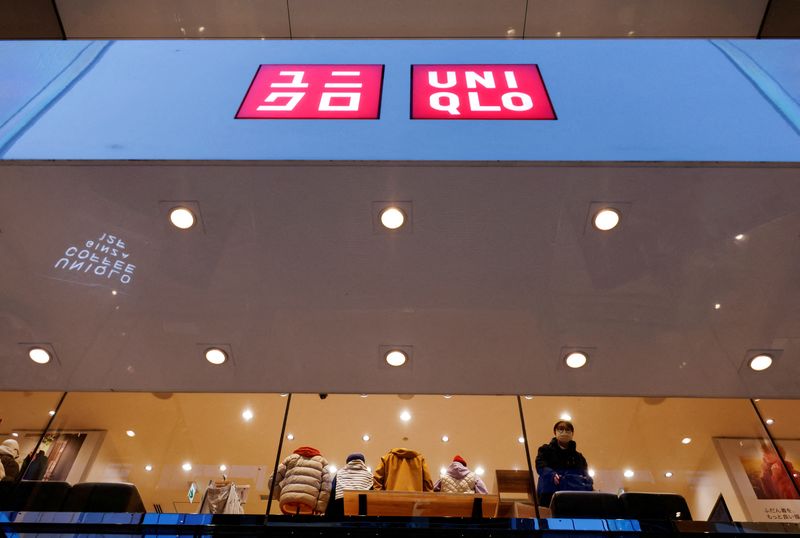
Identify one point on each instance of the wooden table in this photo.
(411, 503)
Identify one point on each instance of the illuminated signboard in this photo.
(479, 92)
(314, 92)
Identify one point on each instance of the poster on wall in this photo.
(765, 490)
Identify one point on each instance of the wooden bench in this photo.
(411, 503)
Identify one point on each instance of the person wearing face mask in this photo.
(560, 466)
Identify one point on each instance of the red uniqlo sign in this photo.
(479, 92)
(314, 92)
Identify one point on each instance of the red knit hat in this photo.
(460, 460)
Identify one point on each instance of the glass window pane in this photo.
(483, 430)
(23, 418)
(171, 446)
(693, 447)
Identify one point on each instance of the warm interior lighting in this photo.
(290, 436)
(442, 471)
(223, 468)
(130, 433)
(332, 469)
(606, 219)
(182, 218)
(187, 466)
(39, 355)
(392, 218)
(717, 306)
(52, 412)
(148, 468)
(216, 356)
(14, 434)
(591, 473)
(565, 416)
(396, 358)
(628, 473)
(760, 362)
(521, 439)
(770, 421)
(365, 437)
(739, 237)
(479, 471)
(405, 416)
(445, 438)
(247, 415)
(668, 474)
(686, 440)
(576, 359)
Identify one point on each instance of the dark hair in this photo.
(567, 424)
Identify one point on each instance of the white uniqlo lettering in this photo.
(445, 102)
(353, 98)
(450, 81)
(526, 103)
(294, 98)
(475, 104)
(297, 80)
(473, 78)
(511, 80)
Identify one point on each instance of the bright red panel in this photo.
(314, 92)
(479, 92)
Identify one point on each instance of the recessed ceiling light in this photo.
(445, 438)
(14, 434)
(405, 416)
(717, 306)
(761, 362)
(392, 218)
(39, 355)
(364, 395)
(528, 397)
(223, 468)
(187, 466)
(148, 468)
(396, 358)
(770, 422)
(215, 355)
(686, 440)
(130, 433)
(182, 218)
(591, 473)
(247, 414)
(668, 474)
(565, 416)
(479, 470)
(332, 469)
(52, 412)
(113, 292)
(365, 437)
(290, 436)
(606, 219)
(448, 396)
(576, 359)
(521, 439)
(284, 394)
(442, 471)
(739, 237)
(628, 473)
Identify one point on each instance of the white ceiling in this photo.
(498, 275)
(280, 19)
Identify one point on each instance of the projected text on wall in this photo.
(104, 258)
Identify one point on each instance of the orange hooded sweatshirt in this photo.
(402, 469)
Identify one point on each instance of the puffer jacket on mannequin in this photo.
(303, 483)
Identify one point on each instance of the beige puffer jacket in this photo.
(304, 482)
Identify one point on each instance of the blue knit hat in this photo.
(355, 456)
